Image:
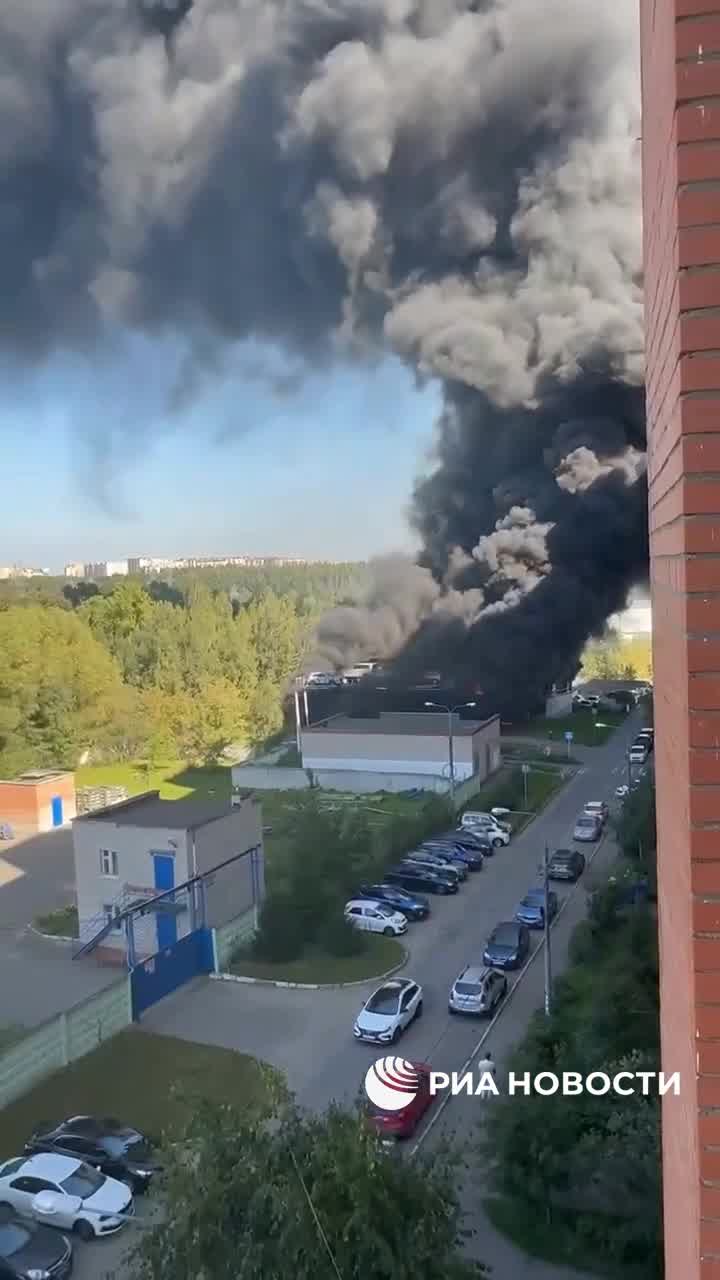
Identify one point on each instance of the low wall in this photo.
(268, 777)
(229, 937)
(360, 781)
(64, 1039)
(364, 782)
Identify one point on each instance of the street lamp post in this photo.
(451, 750)
(546, 925)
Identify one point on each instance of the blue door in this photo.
(57, 811)
(166, 924)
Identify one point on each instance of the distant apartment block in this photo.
(19, 571)
(76, 570)
(159, 564)
(107, 569)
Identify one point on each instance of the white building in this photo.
(634, 621)
(75, 570)
(409, 744)
(107, 569)
(145, 846)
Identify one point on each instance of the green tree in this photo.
(261, 1197)
(60, 690)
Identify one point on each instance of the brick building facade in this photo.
(680, 42)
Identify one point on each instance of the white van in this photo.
(487, 825)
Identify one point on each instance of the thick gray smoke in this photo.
(455, 180)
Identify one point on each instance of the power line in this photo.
(318, 1223)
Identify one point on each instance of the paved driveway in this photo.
(39, 977)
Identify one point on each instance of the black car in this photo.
(566, 864)
(28, 1250)
(441, 857)
(412, 905)
(470, 858)
(473, 840)
(115, 1148)
(415, 875)
(507, 945)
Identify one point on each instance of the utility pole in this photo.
(629, 773)
(548, 961)
(298, 738)
(451, 758)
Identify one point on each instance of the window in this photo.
(108, 862)
(111, 914)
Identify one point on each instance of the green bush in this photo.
(281, 931)
(339, 938)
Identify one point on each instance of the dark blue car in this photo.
(507, 946)
(471, 858)
(412, 905)
(532, 908)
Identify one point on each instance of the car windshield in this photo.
(530, 904)
(13, 1238)
(384, 1001)
(468, 988)
(505, 936)
(587, 821)
(84, 1182)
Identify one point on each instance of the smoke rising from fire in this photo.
(454, 180)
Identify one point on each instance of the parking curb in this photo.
(310, 986)
(50, 937)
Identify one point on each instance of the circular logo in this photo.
(392, 1083)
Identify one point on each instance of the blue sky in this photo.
(96, 465)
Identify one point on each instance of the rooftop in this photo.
(426, 724)
(33, 776)
(148, 810)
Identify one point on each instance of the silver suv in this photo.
(477, 990)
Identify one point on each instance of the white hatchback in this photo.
(375, 917)
(65, 1193)
(389, 1011)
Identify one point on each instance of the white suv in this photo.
(485, 824)
(375, 917)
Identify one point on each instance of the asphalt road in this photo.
(309, 1033)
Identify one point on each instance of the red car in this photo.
(402, 1124)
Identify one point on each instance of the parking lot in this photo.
(309, 1033)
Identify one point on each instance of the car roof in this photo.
(395, 984)
(595, 804)
(506, 924)
(564, 853)
(475, 973)
(50, 1166)
(364, 902)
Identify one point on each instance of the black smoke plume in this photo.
(456, 181)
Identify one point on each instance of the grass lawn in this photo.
(62, 923)
(316, 966)
(549, 1242)
(506, 789)
(173, 780)
(131, 1076)
(588, 730)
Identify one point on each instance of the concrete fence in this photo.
(63, 1040)
(228, 938)
(267, 778)
(71, 1035)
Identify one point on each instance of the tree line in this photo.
(159, 671)
(578, 1179)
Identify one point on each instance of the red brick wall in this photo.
(681, 192)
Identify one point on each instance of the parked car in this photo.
(460, 855)
(477, 990)
(588, 828)
(565, 864)
(472, 840)
(597, 809)
(483, 822)
(507, 945)
(646, 738)
(531, 910)
(29, 1251)
(425, 858)
(403, 1123)
(375, 917)
(445, 856)
(118, 1150)
(389, 1011)
(65, 1193)
(413, 875)
(579, 703)
(412, 905)
(638, 753)
(622, 791)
